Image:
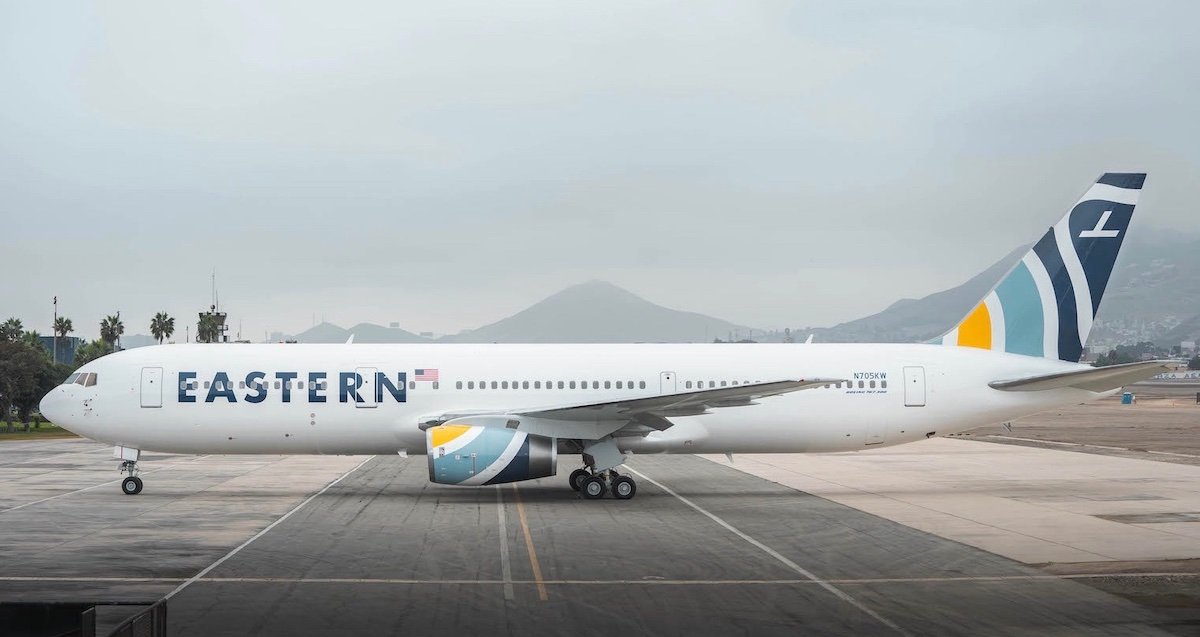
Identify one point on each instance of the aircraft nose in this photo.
(52, 406)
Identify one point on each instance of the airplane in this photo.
(496, 413)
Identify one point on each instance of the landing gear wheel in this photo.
(131, 485)
(577, 478)
(624, 488)
(593, 488)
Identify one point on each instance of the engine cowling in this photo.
(473, 455)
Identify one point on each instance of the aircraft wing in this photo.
(1097, 379)
(595, 420)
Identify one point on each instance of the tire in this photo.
(593, 488)
(131, 485)
(624, 488)
(577, 477)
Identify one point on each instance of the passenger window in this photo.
(206, 385)
(537, 384)
(595, 384)
(860, 384)
(619, 386)
(872, 384)
(688, 384)
(470, 384)
(560, 384)
(883, 384)
(241, 384)
(412, 384)
(641, 384)
(572, 384)
(722, 383)
(524, 384)
(607, 384)
(435, 384)
(712, 383)
(458, 384)
(504, 385)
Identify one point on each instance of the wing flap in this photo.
(1095, 379)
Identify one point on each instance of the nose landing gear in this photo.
(131, 485)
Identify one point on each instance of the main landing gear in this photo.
(599, 474)
(595, 486)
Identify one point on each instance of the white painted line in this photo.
(1087, 446)
(97, 486)
(263, 532)
(1177, 455)
(1044, 442)
(505, 565)
(839, 593)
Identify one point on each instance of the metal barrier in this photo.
(151, 622)
(78, 619)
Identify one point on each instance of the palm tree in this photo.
(62, 327)
(162, 326)
(206, 328)
(34, 340)
(111, 329)
(11, 330)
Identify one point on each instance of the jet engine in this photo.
(472, 455)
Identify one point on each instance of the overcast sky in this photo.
(446, 164)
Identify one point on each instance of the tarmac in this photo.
(942, 537)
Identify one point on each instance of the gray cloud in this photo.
(442, 166)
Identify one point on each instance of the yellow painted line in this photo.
(533, 559)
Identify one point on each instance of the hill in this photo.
(600, 312)
(363, 333)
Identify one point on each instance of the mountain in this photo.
(600, 312)
(915, 320)
(1154, 293)
(363, 333)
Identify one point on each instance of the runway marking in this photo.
(1088, 446)
(505, 566)
(648, 582)
(97, 486)
(533, 558)
(839, 593)
(263, 532)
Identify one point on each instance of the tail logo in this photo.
(1099, 232)
(1046, 304)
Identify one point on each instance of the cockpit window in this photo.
(71, 379)
(91, 380)
(87, 380)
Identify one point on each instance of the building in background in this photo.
(66, 347)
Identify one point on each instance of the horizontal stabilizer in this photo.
(1096, 379)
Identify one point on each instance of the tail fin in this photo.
(1045, 305)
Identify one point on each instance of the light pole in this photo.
(54, 328)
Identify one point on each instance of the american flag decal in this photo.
(430, 375)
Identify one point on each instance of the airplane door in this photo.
(666, 383)
(914, 386)
(152, 386)
(367, 391)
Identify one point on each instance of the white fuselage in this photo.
(907, 393)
